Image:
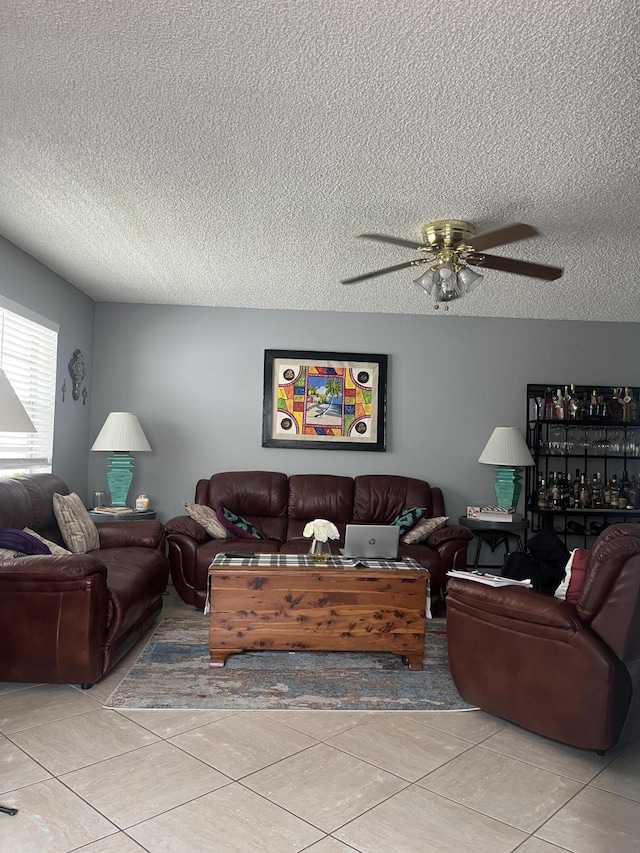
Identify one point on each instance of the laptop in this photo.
(371, 541)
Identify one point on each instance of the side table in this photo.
(495, 533)
(147, 515)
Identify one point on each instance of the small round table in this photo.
(495, 533)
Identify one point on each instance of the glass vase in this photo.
(319, 551)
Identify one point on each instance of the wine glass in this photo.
(615, 442)
(100, 498)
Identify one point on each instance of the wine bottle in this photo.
(558, 406)
(576, 489)
(623, 494)
(615, 406)
(543, 495)
(585, 497)
(629, 407)
(575, 407)
(615, 491)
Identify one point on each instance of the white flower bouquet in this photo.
(321, 529)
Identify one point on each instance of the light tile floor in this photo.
(100, 781)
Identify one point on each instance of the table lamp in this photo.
(13, 417)
(120, 434)
(508, 451)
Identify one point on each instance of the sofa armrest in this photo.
(49, 568)
(447, 533)
(186, 526)
(53, 618)
(127, 534)
(521, 605)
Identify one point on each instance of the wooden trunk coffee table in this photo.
(288, 602)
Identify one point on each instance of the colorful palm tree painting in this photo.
(328, 400)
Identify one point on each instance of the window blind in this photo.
(28, 355)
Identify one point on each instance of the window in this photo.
(28, 351)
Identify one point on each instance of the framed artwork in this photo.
(324, 400)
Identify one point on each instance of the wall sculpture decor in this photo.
(324, 400)
(77, 371)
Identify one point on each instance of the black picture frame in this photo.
(317, 400)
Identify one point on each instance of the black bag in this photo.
(544, 563)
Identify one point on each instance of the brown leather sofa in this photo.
(69, 619)
(280, 507)
(570, 672)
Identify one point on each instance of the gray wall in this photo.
(194, 377)
(32, 285)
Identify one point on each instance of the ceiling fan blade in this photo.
(397, 241)
(508, 234)
(380, 272)
(495, 262)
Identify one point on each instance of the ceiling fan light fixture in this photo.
(446, 284)
(426, 281)
(470, 279)
(446, 270)
(452, 245)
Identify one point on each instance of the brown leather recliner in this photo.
(568, 672)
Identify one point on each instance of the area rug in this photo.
(173, 672)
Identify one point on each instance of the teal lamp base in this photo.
(119, 477)
(508, 485)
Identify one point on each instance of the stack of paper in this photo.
(489, 580)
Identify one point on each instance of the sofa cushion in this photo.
(22, 543)
(575, 573)
(56, 550)
(78, 530)
(379, 498)
(207, 517)
(236, 524)
(408, 519)
(423, 529)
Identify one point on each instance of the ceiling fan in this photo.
(451, 248)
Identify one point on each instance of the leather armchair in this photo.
(568, 672)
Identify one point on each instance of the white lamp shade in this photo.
(506, 446)
(13, 417)
(121, 432)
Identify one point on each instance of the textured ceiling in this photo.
(207, 152)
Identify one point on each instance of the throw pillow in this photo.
(575, 573)
(408, 519)
(22, 543)
(76, 525)
(56, 550)
(236, 524)
(207, 517)
(423, 530)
